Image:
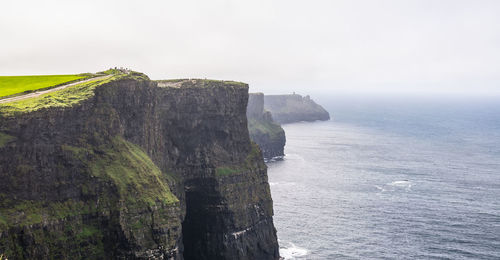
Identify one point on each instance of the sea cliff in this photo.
(136, 169)
(294, 108)
(263, 130)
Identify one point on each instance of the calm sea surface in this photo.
(391, 179)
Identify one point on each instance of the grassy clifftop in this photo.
(12, 85)
(183, 83)
(66, 97)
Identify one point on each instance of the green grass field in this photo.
(11, 85)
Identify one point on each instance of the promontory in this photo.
(121, 166)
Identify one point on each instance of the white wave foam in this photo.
(282, 183)
(274, 159)
(292, 252)
(293, 156)
(406, 184)
(380, 188)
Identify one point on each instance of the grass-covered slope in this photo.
(261, 127)
(136, 177)
(139, 182)
(66, 97)
(11, 85)
(62, 98)
(253, 156)
(143, 203)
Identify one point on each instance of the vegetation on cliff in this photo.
(140, 185)
(66, 97)
(63, 98)
(5, 138)
(88, 173)
(11, 85)
(262, 129)
(204, 83)
(124, 164)
(253, 156)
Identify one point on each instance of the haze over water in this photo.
(391, 179)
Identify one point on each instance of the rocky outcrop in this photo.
(294, 108)
(139, 170)
(263, 130)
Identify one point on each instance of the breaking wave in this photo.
(291, 251)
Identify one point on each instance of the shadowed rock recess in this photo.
(139, 169)
(263, 130)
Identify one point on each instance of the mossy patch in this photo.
(5, 139)
(263, 127)
(28, 212)
(75, 239)
(223, 171)
(86, 232)
(253, 156)
(136, 177)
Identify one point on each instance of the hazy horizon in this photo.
(315, 47)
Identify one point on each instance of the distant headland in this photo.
(294, 108)
(265, 113)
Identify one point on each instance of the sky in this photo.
(316, 46)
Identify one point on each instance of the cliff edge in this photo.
(294, 108)
(136, 169)
(263, 130)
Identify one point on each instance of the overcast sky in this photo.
(277, 46)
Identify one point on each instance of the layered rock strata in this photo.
(138, 170)
(263, 130)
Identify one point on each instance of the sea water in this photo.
(391, 179)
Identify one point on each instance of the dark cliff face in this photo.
(136, 171)
(263, 130)
(294, 108)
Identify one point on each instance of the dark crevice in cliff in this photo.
(199, 224)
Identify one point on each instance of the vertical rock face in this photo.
(142, 169)
(294, 108)
(263, 130)
(255, 107)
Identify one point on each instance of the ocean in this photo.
(391, 178)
